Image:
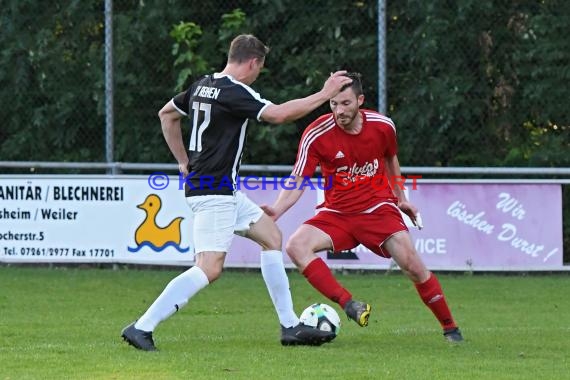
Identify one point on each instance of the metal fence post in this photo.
(109, 93)
(382, 108)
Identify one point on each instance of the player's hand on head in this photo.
(335, 82)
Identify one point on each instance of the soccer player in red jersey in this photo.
(356, 150)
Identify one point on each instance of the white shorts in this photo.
(218, 217)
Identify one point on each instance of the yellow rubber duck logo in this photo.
(150, 234)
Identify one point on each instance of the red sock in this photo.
(320, 276)
(430, 292)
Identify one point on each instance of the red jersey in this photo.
(352, 165)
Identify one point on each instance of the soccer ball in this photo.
(321, 316)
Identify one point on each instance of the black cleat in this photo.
(303, 335)
(453, 335)
(358, 312)
(138, 338)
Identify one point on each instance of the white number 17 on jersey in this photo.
(196, 135)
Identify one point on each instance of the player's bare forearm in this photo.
(293, 109)
(286, 198)
(170, 123)
(297, 108)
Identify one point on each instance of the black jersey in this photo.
(219, 107)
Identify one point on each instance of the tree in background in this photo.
(478, 83)
(470, 83)
(52, 83)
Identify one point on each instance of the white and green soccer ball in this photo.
(321, 316)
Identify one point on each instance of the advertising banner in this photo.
(92, 219)
(145, 220)
(467, 227)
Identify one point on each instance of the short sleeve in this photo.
(181, 102)
(243, 101)
(391, 139)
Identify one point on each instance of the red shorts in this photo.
(371, 230)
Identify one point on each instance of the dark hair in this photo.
(356, 83)
(245, 47)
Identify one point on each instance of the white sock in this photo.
(277, 283)
(173, 297)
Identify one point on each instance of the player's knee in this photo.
(414, 268)
(296, 249)
(274, 239)
(292, 247)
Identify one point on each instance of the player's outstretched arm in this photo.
(170, 122)
(297, 108)
(286, 198)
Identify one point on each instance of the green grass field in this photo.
(65, 324)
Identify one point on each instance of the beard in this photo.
(345, 119)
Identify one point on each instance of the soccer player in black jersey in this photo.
(219, 106)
